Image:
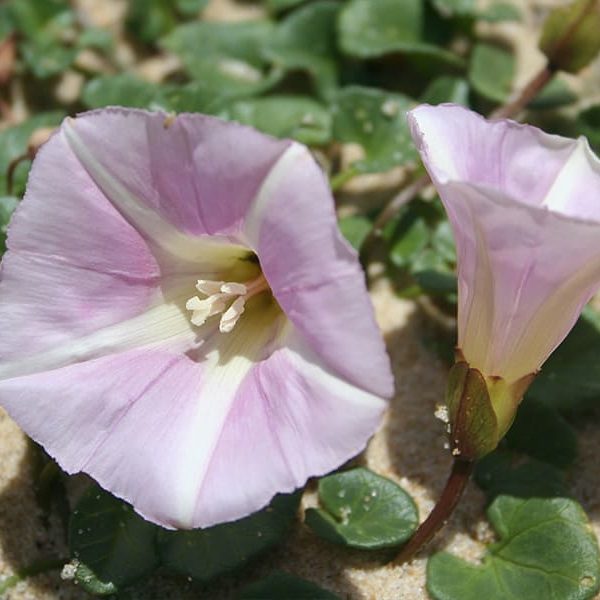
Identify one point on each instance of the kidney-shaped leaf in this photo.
(114, 544)
(376, 120)
(546, 550)
(363, 510)
(206, 553)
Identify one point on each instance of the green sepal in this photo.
(570, 37)
(473, 423)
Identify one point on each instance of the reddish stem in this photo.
(455, 486)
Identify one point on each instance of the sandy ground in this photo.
(408, 448)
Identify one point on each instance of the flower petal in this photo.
(74, 265)
(520, 269)
(291, 419)
(207, 438)
(314, 273)
(190, 174)
(147, 426)
(459, 145)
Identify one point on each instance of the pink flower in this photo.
(525, 211)
(181, 318)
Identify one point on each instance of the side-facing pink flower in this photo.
(525, 210)
(181, 318)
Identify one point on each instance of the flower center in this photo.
(225, 298)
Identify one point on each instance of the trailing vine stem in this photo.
(451, 495)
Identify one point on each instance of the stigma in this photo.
(225, 298)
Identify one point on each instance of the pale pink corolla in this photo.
(525, 211)
(181, 318)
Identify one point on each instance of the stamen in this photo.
(232, 314)
(219, 295)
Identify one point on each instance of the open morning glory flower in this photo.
(181, 318)
(525, 210)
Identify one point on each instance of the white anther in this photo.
(226, 297)
(232, 314)
(208, 288)
(237, 289)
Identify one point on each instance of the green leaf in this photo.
(13, 143)
(500, 11)
(502, 473)
(377, 121)
(206, 553)
(450, 8)
(225, 57)
(570, 378)
(547, 549)
(190, 8)
(412, 236)
(277, 6)
(554, 95)
(7, 207)
(113, 542)
(48, 28)
(305, 41)
(31, 17)
(90, 582)
(355, 229)
(195, 96)
(447, 89)
(363, 510)
(150, 19)
(588, 124)
(300, 118)
(536, 423)
(491, 72)
(123, 89)
(280, 585)
(374, 28)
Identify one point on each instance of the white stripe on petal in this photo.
(205, 251)
(164, 322)
(224, 367)
(264, 196)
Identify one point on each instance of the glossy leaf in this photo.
(225, 57)
(150, 19)
(363, 510)
(588, 123)
(119, 90)
(449, 8)
(373, 28)
(206, 553)
(554, 95)
(491, 72)
(447, 89)
(501, 472)
(305, 41)
(500, 11)
(281, 5)
(7, 207)
(295, 117)
(546, 550)
(542, 433)
(13, 143)
(412, 237)
(355, 229)
(377, 121)
(114, 543)
(570, 378)
(280, 585)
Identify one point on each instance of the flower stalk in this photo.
(449, 499)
